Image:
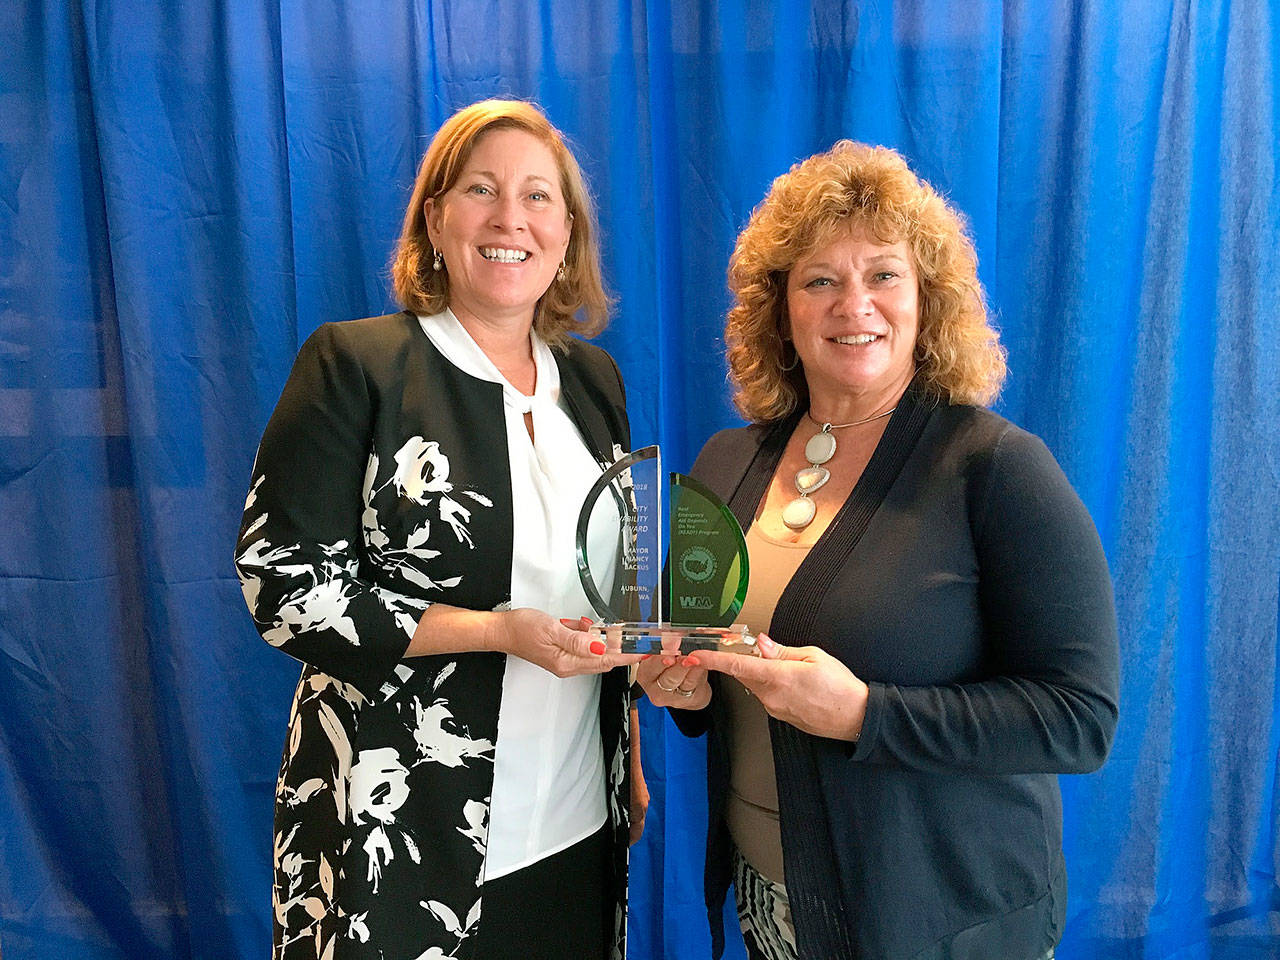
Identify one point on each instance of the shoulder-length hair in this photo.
(421, 289)
(853, 185)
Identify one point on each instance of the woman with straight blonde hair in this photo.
(457, 778)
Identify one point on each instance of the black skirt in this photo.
(556, 909)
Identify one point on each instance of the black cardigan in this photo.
(978, 608)
(381, 485)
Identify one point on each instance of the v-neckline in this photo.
(845, 529)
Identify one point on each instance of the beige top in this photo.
(752, 807)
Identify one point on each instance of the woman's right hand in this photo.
(548, 643)
(669, 681)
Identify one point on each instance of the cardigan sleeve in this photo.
(300, 544)
(1049, 703)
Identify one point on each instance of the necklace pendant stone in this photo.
(811, 478)
(799, 513)
(820, 448)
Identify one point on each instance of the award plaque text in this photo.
(675, 575)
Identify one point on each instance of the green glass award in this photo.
(662, 560)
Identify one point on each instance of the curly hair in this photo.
(853, 185)
(422, 289)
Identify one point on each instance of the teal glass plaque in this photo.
(662, 560)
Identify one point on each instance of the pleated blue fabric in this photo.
(188, 190)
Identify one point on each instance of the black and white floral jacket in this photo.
(381, 486)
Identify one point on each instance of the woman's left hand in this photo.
(639, 789)
(670, 680)
(803, 686)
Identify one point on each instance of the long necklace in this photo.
(820, 448)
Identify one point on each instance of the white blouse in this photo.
(548, 779)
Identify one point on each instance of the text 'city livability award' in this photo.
(662, 560)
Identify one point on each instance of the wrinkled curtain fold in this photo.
(188, 190)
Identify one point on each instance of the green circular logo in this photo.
(697, 564)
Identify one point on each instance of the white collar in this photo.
(451, 338)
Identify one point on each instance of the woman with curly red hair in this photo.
(936, 621)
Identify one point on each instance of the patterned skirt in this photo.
(765, 915)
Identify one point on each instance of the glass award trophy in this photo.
(662, 560)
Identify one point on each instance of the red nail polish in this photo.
(571, 624)
(690, 662)
(597, 647)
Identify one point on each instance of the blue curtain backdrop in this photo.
(187, 190)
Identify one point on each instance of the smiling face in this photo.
(502, 228)
(854, 312)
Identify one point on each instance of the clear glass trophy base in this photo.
(675, 639)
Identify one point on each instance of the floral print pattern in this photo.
(382, 802)
(363, 789)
